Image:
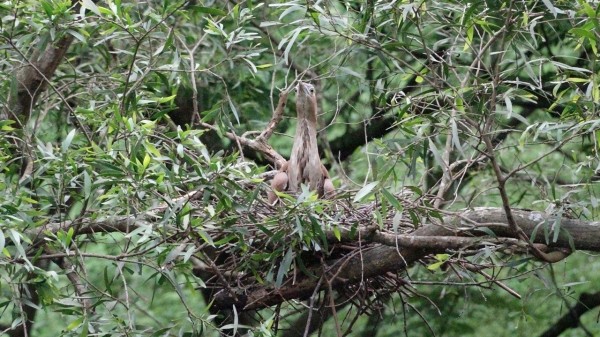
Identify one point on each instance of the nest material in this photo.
(274, 246)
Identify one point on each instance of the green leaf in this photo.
(291, 9)
(146, 161)
(75, 324)
(165, 99)
(366, 190)
(77, 35)
(580, 32)
(67, 142)
(392, 199)
(84, 328)
(47, 6)
(291, 41)
(383, 59)
(378, 218)
(556, 227)
(90, 5)
(469, 38)
(206, 237)
(87, 185)
(435, 265)
(337, 233)
(2, 240)
(15, 237)
(551, 7)
(437, 156)
(233, 109)
(315, 16)
(284, 267)
(486, 230)
(208, 10)
(5, 125)
(442, 257)
(69, 236)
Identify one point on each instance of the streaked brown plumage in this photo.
(304, 166)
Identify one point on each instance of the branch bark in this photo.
(394, 253)
(33, 79)
(381, 259)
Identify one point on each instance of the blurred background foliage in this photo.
(409, 90)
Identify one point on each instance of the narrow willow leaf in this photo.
(291, 43)
(89, 4)
(337, 233)
(87, 185)
(284, 267)
(75, 324)
(67, 142)
(2, 241)
(509, 107)
(392, 199)
(209, 10)
(233, 109)
(366, 190)
(435, 266)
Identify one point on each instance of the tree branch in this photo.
(381, 259)
(260, 144)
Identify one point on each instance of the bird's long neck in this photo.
(306, 130)
(305, 163)
(306, 109)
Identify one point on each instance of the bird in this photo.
(304, 166)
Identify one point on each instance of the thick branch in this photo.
(33, 78)
(382, 259)
(259, 146)
(396, 251)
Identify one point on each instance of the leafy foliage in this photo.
(140, 195)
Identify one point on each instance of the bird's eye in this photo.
(312, 90)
